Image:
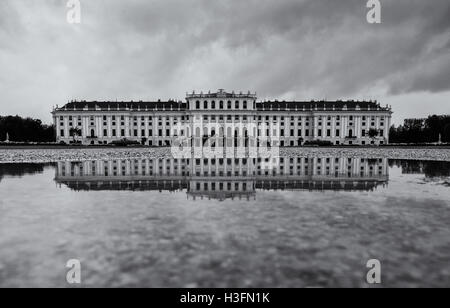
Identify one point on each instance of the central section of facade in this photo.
(219, 115)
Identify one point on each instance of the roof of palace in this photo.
(123, 105)
(321, 105)
(350, 184)
(169, 105)
(221, 94)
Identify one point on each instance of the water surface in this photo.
(305, 222)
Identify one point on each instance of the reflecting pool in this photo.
(294, 222)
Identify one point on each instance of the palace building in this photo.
(291, 123)
(223, 179)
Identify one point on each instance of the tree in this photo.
(446, 134)
(434, 126)
(75, 132)
(26, 130)
(373, 133)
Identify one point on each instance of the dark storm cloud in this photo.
(322, 46)
(300, 49)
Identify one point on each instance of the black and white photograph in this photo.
(226, 150)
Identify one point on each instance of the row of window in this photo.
(186, 118)
(122, 118)
(167, 133)
(221, 105)
(221, 118)
(237, 161)
(318, 171)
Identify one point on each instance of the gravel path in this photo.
(54, 155)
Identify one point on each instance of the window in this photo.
(307, 133)
(213, 105)
(236, 105)
(114, 133)
(221, 105)
(338, 133)
(205, 105)
(197, 105)
(105, 133)
(122, 133)
(150, 132)
(229, 105)
(245, 105)
(292, 133)
(62, 132)
(329, 133)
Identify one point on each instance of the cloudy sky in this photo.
(281, 49)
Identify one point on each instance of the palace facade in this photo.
(223, 179)
(291, 123)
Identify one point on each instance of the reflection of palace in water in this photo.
(224, 178)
